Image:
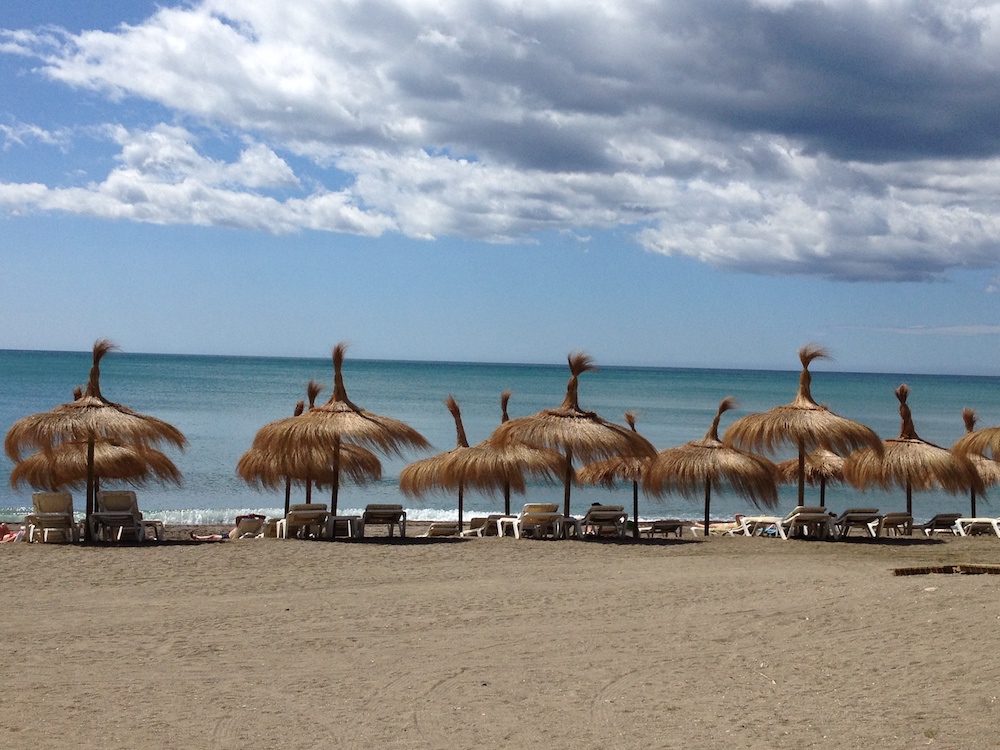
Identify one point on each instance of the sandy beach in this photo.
(725, 642)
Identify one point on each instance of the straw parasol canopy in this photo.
(822, 467)
(308, 464)
(988, 469)
(803, 424)
(435, 474)
(65, 466)
(489, 460)
(576, 433)
(336, 423)
(910, 462)
(610, 471)
(700, 465)
(89, 420)
(268, 464)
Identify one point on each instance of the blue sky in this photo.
(693, 183)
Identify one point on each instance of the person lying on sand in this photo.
(720, 527)
(233, 533)
(6, 535)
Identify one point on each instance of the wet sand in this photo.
(725, 642)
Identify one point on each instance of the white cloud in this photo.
(843, 139)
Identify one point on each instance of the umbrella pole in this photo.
(568, 480)
(802, 475)
(708, 502)
(822, 492)
(460, 503)
(336, 476)
(973, 498)
(288, 494)
(909, 498)
(309, 491)
(506, 498)
(635, 509)
(91, 491)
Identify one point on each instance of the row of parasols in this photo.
(92, 439)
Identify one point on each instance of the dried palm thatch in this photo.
(701, 465)
(435, 474)
(988, 469)
(910, 462)
(308, 464)
(489, 467)
(65, 466)
(337, 422)
(822, 467)
(481, 467)
(305, 463)
(610, 471)
(90, 419)
(576, 433)
(803, 424)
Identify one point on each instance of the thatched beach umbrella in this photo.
(576, 433)
(910, 462)
(610, 471)
(435, 474)
(89, 420)
(822, 467)
(700, 465)
(65, 466)
(803, 424)
(538, 463)
(308, 465)
(973, 444)
(336, 423)
(484, 467)
(269, 462)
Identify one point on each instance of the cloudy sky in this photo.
(694, 182)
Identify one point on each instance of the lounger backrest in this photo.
(52, 502)
(805, 510)
(307, 506)
(534, 508)
(249, 526)
(118, 501)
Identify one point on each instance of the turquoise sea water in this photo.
(220, 402)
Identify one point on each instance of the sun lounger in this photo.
(249, 527)
(756, 526)
(484, 525)
(118, 518)
(304, 520)
(601, 519)
(805, 520)
(535, 519)
(442, 528)
(664, 526)
(977, 525)
(942, 522)
(856, 518)
(897, 523)
(51, 518)
(393, 516)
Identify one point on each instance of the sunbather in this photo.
(231, 534)
(720, 527)
(6, 535)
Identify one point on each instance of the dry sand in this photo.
(482, 643)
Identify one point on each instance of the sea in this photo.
(219, 403)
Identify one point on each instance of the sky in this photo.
(694, 183)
